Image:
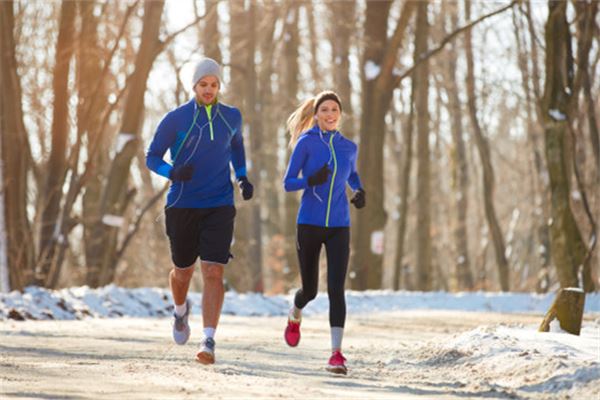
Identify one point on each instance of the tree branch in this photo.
(138, 221)
(448, 39)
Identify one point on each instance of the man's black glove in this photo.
(181, 173)
(359, 199)
(319, 177)
(246, 188)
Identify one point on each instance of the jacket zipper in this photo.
(332, 180)
(208, 108)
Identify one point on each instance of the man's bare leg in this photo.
(179, 280)
(212, 302)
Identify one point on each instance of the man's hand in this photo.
(181, 173)
(246, 188)
(359, 199)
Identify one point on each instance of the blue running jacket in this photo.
(207, 137)
(323, 205)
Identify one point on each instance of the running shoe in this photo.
(292, 332)
(181, 328)
(337, 363)
(206, 355)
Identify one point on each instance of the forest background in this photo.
(476, 123)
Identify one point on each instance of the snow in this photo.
(500, 358)
(122, 139)
(113, 220)
(514, 358)
(372, 70)
(113, 301)
(557, 115)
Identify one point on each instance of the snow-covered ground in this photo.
(399, 344)
(112, 301)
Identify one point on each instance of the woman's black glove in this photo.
(359, 199)
(246, 188)
(319, 177)
(181, 173)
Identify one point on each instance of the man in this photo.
(204, 136)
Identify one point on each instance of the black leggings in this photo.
(337, 245)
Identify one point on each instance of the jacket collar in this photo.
(315, 130)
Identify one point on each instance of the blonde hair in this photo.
(302, 118)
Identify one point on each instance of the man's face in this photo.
(207, 89)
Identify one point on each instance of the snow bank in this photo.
(113, 301)
(512, 360)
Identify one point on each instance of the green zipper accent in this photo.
(332, 180)
(212, 136)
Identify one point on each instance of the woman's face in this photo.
(207, 89)
(328, 115)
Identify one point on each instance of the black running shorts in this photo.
(200, 232)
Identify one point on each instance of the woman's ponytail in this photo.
(300, 120)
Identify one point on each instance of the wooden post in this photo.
(568, 309)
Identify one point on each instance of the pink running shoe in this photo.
(337, 363)
(292, 333)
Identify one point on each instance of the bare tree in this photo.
(539, 188)
(568, 249)
(15, 158)
(378, 82)
(115, 198)
(423, 236)
(211, 35)
(56, 168)
(289, 77)
(4, 272)
(400, 278)
(460, 174)
(486, 162)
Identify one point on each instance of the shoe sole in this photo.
(338, 370)
(205, 358)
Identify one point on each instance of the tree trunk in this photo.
(268, 179)
(568, 309)
(568, 249)
(241, 275)
(539, 189)
(366, 267)
(423, 236)
(486, 162)
(211, 36)
(343, 18)
(4, 272)
(378, 83)
(254, 122)
(15, 160)
(401, 277)
(115, 196)
(90, 111)
(290, 71)
(459, 167)
(51, 231)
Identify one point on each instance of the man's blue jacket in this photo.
(207, 137)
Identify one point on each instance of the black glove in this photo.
(181, 173)
(246, 188)
(359, 199)
(319, 177)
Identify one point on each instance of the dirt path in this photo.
(134, 359)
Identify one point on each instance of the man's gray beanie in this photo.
(206, 66)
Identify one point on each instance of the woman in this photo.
(327, 161)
